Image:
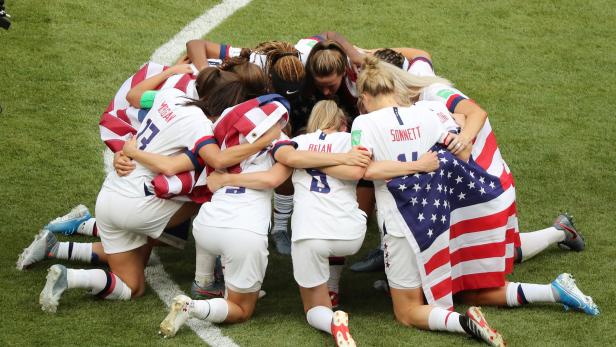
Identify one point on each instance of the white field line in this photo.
(166, 289)
(155, 273)
(170, 51)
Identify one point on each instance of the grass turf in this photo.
(543, 70)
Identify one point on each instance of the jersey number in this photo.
(149, 125)
(238, 190)
(319, 181)
(402, 157)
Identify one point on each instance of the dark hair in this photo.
(325, 58)
(217, 91)
(283, 64)
(251, 75)
(390, 56)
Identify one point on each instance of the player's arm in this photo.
(255, 180)
(199, 51)
(291, 157)
(387, 169)
(166, 165)
(135, 95)
(344, 172)
(475, 117)
(221, 159)
(356, 56)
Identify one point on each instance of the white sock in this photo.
(101, 283)
(528, 293)
(79, 251)
(283, 206)
(441, 319)
(334, 278)
(320, 318)
(213, 310)
(532, 243)
(204, 267)
(88, 228)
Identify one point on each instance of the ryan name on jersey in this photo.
(320, 147)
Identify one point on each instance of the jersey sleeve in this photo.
(420, 66)
(198, 135)
(281, 142)
(147, 99)
(304, 46)
(360, 134)
(444, 94)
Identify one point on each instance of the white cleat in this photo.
(340, 330)
(38, 250)
(178, 315)
(56, 285)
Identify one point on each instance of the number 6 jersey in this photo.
(325, 207)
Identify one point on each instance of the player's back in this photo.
(324, 207)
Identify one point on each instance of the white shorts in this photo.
(400, 263)
(310, 258)
(126, 223)
(243, 255)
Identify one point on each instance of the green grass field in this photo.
(544, 71)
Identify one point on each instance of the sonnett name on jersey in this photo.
(409, 134)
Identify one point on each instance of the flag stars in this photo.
(448, 174)
(428, 187)
(431, 174)
(424, 202)
(421, 217)
(441, 173)
(444, 160)
(443, 219)
(458, 179)
(471, 185)
(402, 187)
(482, 191)
(461, 196)
(437, 203)
(450, 191)
(482, 180)
(430, 232)
(413, 201)
(433, 218)
(405, 177)
(416, 187)
(492, 185)
(472, 174)
(455, 162)
(439, 188)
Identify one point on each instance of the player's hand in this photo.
(358, 156)
(130, 147)
(272, 134)
(183, 60)
(459, 143)
(428, 162)
(180, 69)
(122, 164)
(215, 181)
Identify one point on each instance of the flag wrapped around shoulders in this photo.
(250, 120)
(457, 220)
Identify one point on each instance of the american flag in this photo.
(250, 120)
(457, 220)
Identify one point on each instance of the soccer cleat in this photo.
(56, 285)
(335, 299)
(43, 244)
(340, 330)
(373, 262)
(573, 239)
(475, 324)
(70, 222)
(282, 241)
(214, 290)
(178, 315)
(572, 297)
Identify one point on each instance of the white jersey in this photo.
(169, 128)
(444, 94)
(419, 66)
(240, 207)
(403, 134)
(325, 207)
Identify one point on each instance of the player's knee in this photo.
(407, 317)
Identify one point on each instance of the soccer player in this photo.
(235, 224)
(129, 215)
(383, 94)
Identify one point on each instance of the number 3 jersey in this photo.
(169, 128)
(402, 134)
(325, 207)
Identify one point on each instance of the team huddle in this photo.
(328, 135)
